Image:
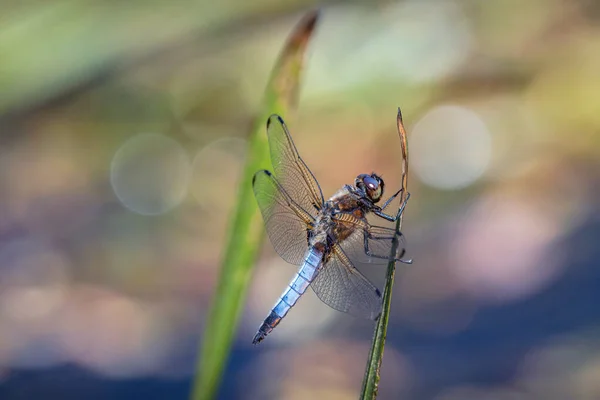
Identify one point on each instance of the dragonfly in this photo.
(326, 239)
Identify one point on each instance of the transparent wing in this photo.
(286, 222)
(341, 286)
(290, 170)
(369, 244)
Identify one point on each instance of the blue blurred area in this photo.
(70, 382)
(487, 353)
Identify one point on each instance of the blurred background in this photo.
(123, 128)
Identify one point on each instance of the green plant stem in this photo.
(246, 231)
(372, 373)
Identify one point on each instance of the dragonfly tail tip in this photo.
(259, 337)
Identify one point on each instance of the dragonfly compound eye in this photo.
(360, 182)
(374, 186)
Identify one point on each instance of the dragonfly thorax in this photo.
(347, 204)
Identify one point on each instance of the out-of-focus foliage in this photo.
(123, 132)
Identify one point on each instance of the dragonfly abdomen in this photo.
(296, 288)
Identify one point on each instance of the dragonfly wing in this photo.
(341, 286)
(290, 170)
(286, 222)
(369, 244)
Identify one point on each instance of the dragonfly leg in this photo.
(383, 215)
(392, 197)
(371, 254)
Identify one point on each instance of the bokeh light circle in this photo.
(150, 174)
(216, 171)
(505, 250)
(450, 147)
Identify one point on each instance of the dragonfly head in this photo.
(370, 185)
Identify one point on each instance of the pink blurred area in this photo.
(122, 149)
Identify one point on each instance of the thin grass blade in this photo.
(246, 230)
(372, 373)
